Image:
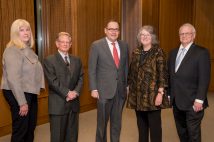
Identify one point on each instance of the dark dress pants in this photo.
(64, 128)
(188, 124)
(149, 122)
(110, 108)
(22, 126)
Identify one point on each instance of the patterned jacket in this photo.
(145, 78)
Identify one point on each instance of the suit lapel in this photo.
(71, 66)
(186, 57)
(174, 59)
(60, 59)
(188, 54)
(122, 54)
(62, 62)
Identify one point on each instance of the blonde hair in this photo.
(14, 34)
(63, 34)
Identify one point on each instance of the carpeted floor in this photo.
(129, 132)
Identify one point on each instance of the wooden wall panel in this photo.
(150, 13)
(132, 21)
(56, 16)
(173, 13)
(204, 24)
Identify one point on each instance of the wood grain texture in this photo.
(204, 24)
(132, 21)
(173, 13)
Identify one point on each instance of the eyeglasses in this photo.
(185, 34)
(113, 30)
(145, 35)
(64, 42)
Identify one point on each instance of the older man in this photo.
(65, 78)
(189, 70)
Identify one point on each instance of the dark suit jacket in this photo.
(103, 73)
(61, 80)
(191, 81)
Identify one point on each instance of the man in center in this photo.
(108, 68)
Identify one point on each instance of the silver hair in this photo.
(152, 32)
(188, 25)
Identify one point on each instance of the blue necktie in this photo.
(179, 59)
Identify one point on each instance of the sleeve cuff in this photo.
(199, 101)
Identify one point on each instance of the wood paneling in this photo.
(150, 13)
(56, 17)
(132, 21)
(204, 24)
(173, 13)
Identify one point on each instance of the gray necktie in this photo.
(179, 58)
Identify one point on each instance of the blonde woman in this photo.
(21, 81)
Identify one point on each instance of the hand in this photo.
(23, 110)
(95, 94)
(71, 95)
(158, 99)
(197, 106)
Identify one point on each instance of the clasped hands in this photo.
(71, 95)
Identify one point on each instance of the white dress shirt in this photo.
(111, 47)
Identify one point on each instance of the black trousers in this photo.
(109, 108)
(22, 126)
(188, 124)
(149, 122)
(64, 128)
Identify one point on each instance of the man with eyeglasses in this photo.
(108, 69)
(64, 74)
(189, 71)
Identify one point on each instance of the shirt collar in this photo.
(109, 42)
(62, 54)
(187, 47)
